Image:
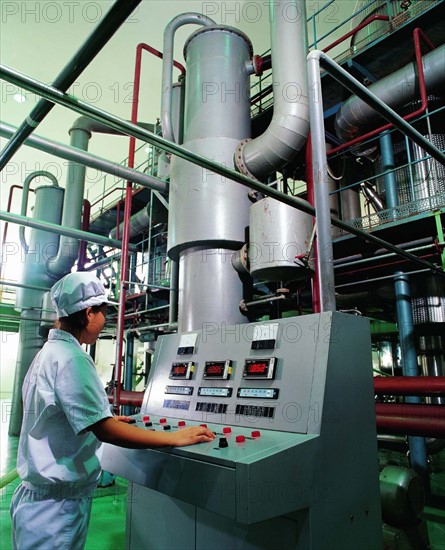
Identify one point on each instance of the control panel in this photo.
(291, 402)
(249, 375)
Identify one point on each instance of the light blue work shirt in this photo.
(62, 397)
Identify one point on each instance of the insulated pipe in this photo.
(117, 14)
(394, 90)
(138, 224)
(167, 65)
(405, 324)
(68, 251)
(79, 106)
(25, 194)
(320, 181)
(409, 385)
(289, 126)
(87, 159)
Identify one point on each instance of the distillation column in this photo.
(208, 212)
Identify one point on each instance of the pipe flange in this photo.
(238, 159)
(283, 290)
(257, 63)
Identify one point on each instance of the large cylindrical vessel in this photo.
(208, 210)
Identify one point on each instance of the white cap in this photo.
(77, 291)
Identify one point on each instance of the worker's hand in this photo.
(191, 435)
(126, 419)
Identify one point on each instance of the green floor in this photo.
(107, 527)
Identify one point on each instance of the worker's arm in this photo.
(111, 430)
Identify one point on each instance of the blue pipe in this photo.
(388, 165)
(410, 367)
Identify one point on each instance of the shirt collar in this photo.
(55, 334)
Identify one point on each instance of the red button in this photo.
(227, 430)
(240, 439)
(203, 425)
(181, 423)
(255, 433)
(162, 420)
(145, 419)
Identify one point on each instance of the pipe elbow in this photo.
(282, 140)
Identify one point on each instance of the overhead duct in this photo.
(289, 126)
(395, 90)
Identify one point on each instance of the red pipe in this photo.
(8, 209)
(363, 24)
(133, 398)
(423, 427)
(411, 410)
(316, 308)
(409, 385)
(126, 228)
(417, 35)
(411, 419)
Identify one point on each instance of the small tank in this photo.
(279, 241)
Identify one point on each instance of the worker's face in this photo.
(95, 324)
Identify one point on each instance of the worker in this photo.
(66, 417)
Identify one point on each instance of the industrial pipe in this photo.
(133, 398)
(167, 65)
(87, 159)
(57, 229)
(413, 426)
(410, 410)
(287, 131)
(83, 108)
(117, 14)
(25, 193)
(394, 90)
(320, 182)
(409, 385)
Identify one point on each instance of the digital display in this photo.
(182, 371)
(179, 390)
(259, 368)
(258, 393)
(218, 369)
(215, 392)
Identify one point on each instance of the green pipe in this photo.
(53, 228)
(8, 478)
(79, 106)
(117, 14)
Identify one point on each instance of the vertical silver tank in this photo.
(279, 237)
(208, 210)
(42, 246)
